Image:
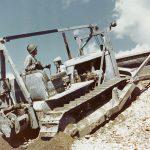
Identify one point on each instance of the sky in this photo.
(24, 16)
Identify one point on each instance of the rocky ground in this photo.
(129, 130)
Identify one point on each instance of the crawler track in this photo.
(78, 109)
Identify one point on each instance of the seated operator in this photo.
(60, 67)
(31, 63)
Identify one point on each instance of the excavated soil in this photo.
(4, 145)
(60, 142)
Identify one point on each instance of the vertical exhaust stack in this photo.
(2, 65)
(66, 45)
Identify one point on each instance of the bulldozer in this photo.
(84, 92)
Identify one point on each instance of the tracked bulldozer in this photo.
(85, 91)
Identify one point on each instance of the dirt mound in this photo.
(4, 145)
(60, 142)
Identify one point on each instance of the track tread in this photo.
(79, 101)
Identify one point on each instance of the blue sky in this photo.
(23, 16)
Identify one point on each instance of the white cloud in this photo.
(67, 3)
(137, 49)
(133, 20)
(92, 47)
(77, 32)
(86, 1)
(81, 32)
(10, 76)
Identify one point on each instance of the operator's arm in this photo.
(30, 63)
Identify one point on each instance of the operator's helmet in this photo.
(57, 59)
(31, 48)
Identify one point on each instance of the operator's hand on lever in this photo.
(48, 66)
(38, 65)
